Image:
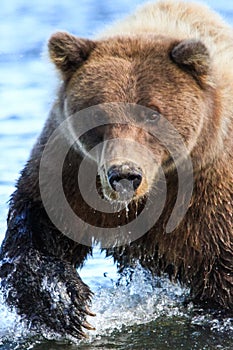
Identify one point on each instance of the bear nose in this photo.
(124, 178)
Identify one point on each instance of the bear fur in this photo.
(174, 58)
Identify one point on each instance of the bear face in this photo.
(138, 71)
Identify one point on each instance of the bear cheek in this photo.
(191, 132)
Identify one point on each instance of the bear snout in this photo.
(124, 179)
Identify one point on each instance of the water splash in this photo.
(141, 300)
(220, 325)
(120, 304)
(12, 326)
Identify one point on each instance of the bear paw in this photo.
(48, 293)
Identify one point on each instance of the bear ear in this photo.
(68, 52)
(193, 56)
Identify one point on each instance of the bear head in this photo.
(150, 92)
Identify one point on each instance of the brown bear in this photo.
(170, 62)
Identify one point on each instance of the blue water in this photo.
(147, 314)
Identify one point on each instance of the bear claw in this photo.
(89, 312)
(87, 325)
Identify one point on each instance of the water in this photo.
(146, 313)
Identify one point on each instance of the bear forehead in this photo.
(130, 70)
(133, 47)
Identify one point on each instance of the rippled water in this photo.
(145, 314)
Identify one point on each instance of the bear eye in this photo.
(153, 116)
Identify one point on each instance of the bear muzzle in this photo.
(125, 178)
(122, 181)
